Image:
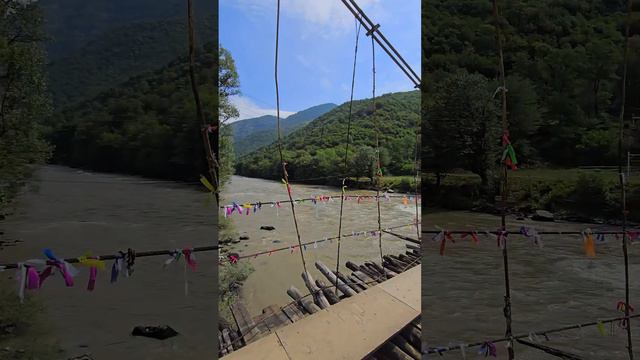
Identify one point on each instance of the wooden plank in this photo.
(411, 334)
(293, 312)
(245, 323)
(329, 291)
(221, 346)
(351, 329)
(406, 288)
(274, 318)
(358, 282)
(227, 341)
(349, 283)
(306, 302)
(266, 348)
(413, 247)
(391, 351)
(332, 279)
(364, 278)
(406, 347)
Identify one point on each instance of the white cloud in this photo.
(328, 17)
(249, 109)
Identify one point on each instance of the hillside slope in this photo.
(115, 55)
(146, 126)
(318, 149)
(74, 23)
(252, 134)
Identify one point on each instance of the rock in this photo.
(276, 241)
(225, 240)
(155, 332)
(235, 241)
(267, 227)
(543, 215)
(244, 237)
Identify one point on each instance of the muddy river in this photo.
(73, 212)
(552, 286)
(274, 274)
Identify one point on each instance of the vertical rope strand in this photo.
(416, 166)
(346, 151)
(504, 189)
(623, 195)
(378, 166)
(212, 161)
(284, 164)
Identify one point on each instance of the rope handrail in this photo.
(354, 234)
(117, 256)
(315, 198)
(443, 349)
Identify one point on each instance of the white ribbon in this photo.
(22, 281)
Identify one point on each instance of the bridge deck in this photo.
(351, 329)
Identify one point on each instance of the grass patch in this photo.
(230, 277)
(23, 332)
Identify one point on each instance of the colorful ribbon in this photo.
(488, 349)
(190, 258)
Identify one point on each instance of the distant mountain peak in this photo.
(254, 133)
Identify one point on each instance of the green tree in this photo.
(363, 162)
(23, 97)
(463, 126)
(229, 85)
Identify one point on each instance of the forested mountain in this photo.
(563, 60)
(74, 23)
(119, 53)
(252, 134)
(317, 149)
(146, 126)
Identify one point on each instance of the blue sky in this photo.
(317, 39)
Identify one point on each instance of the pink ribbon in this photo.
(33, 279)
(93, 273)
(45, 274)
(68, 279)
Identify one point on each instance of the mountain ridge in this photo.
(254, 133)
(317, 149)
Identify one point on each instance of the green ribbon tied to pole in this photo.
(509, 157)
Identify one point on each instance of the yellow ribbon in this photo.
(83, 260)
(206, 183)
(600, 327)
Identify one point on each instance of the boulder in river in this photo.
(543, 215)
(267, 227)
(244, 237)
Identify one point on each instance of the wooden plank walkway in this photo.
(354, 328)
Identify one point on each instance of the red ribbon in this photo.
(189, 259)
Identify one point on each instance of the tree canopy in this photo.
(563, 60)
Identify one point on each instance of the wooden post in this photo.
(306, 303)
(333, 279)
(318, 296)
(326, 289)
